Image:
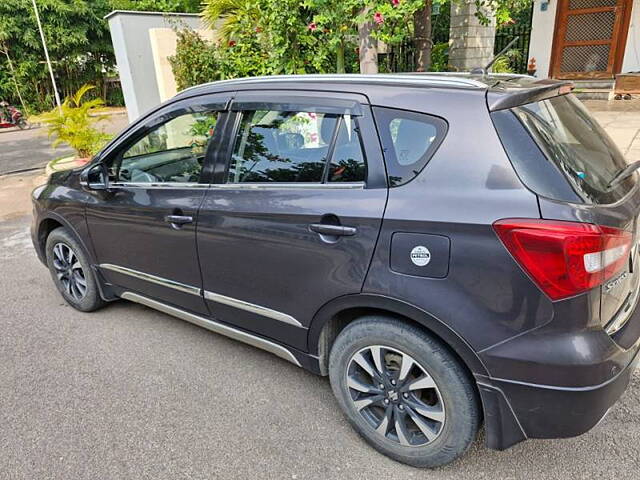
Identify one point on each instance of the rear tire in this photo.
(71, 271)
(415, 403)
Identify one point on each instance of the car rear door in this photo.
(292, 219)
(143, 227)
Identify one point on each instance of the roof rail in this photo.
(418, 79)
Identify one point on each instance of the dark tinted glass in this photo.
(171, 153)
(277, 146)
(535, 171)
(409, 140)
(347, 161)
(580, 149)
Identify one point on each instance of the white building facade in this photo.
(142, 42)
(585, 39)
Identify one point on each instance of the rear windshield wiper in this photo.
(624, 173)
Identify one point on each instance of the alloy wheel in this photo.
(69, 271)
(395, 395)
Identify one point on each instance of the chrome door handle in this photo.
(177, 221)
(333, 230)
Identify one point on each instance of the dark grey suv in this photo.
(451, 250)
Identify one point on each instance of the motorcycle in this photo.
(10, 116)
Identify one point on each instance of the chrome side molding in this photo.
(214, 326)
(214, 297)
(152, 278)
(250, 307)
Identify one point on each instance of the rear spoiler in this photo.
(502, 95)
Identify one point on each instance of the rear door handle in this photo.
(177, 221)
(333, 230)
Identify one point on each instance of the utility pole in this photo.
(46, 54)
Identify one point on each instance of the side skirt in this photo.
(216, 327)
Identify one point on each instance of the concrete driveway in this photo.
(129, 393)
(22, 150)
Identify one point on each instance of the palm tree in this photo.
(228, 17)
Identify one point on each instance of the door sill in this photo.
(214, 326)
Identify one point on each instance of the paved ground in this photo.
(128, 393)
(29, 149)
(621, 120)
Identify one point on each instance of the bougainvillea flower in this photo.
(313, 27)
(232, 43)
(395, 3)
(378, 18)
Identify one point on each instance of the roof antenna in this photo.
(483, 71)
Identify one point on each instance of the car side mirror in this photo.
(96, 177)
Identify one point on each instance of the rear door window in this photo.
(296, 147)
(409, 140)
(577, 147)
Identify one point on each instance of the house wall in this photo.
(131, 34)
(543, 24)
(631, 62)
(164, 42)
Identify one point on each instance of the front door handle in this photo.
(177, 221)
(332, 230)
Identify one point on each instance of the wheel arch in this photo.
(337, 314)
(48, 224)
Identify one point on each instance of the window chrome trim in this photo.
(157, 185)
(287, 185)
(242, 186)
(253, 308)
(152, 279)
(215, 327)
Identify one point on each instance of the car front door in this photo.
(143, 227)
(292, 218)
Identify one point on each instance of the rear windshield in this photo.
(581, 160)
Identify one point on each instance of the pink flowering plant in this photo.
(337, 21)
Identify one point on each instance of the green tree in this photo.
(78, 41)
(336, 22)
(277, 28)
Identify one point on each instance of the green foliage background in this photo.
(257, 37)
(79, 46)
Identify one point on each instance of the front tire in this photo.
(71, 271)
(404, 392)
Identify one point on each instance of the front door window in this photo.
(171, 153)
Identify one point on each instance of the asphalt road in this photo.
(30, 149)
(130, 393)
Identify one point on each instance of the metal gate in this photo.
(589, 38)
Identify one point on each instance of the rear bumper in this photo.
(542, 411)
(587, 372)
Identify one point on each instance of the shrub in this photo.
(74, 123)
(440, 57)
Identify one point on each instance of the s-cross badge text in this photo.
(420, 256)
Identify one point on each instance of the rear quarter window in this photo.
(560, 152)
(409, 140)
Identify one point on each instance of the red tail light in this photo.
(565, 258)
